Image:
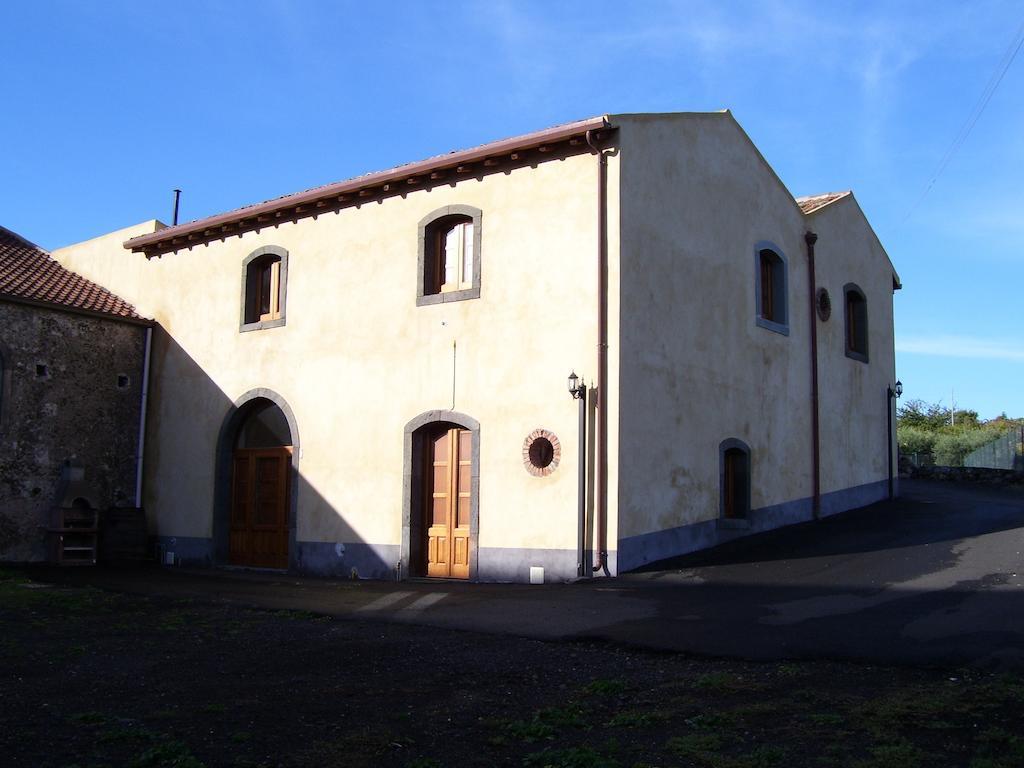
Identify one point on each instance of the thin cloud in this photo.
(961, 346)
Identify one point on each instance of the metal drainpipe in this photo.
(144, 401)
(581, 487)
(810, 238)
(888, 434)
(602, 358)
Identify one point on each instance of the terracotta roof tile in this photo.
(28, 272)
(811, 203)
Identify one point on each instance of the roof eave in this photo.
(57, 306)
(360, 189)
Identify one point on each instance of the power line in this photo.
(975, 114)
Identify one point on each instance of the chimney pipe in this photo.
(177, 197)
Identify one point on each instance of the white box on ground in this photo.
(536, 574)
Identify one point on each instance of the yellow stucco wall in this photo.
(357, 359)
(688, 198)
(853, 394)
(696, 369)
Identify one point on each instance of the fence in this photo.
(1005, 452)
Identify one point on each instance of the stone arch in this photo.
(233, 420)
(412, 479)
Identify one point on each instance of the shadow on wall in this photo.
(255, 459)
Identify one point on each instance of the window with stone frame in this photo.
(264, 288)
(856, 305)
(449, 255)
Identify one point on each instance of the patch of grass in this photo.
(694, 745)
(789, 670)
(241, 737)
(636, 719)
(998, 748)
(567, 716)
(572, 757)
(88, 718)
(765, 756)
(759, 709)
(546, 723)
(122, 734)
(296, 615)
(214, 708)
(712, 721)
(900, 754)
(169, 754)
(725, 682)
(530, 731)
(8, 576)
(606, 687)
(825, 719)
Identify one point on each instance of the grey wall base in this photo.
(637, 551)
(370, 561)
(508, 564)
(346, 560)
(188, 550)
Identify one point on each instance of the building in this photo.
(369, 378)
(71, 383)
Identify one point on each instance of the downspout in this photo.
(602, 358)
(810, 238)
(141, 450)
(888, 434)
(581, 487)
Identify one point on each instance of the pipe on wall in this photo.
(143, 403)
(602, 357)
(811, 238)
(581, 488)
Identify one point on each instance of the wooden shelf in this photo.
(74, 536)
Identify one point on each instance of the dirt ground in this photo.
(89, 678)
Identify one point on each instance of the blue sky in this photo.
(111, 105)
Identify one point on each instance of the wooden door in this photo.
(259, 507)
(448, 494)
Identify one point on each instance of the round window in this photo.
(541, 452)
(824, 304)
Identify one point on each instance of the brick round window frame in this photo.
(556, 452)
(823, 303)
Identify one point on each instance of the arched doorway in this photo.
(442, 492)
(261, 478)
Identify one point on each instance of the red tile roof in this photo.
(28, 273)
(812, 203)
(323, 199)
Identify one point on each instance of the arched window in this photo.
(772, 289)
(449, 255)
(734, 475)
(856, 322)
(264, 288)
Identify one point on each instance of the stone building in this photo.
(370, 377)
(71, 377)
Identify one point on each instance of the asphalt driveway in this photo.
(933, 578)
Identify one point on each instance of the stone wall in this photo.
(71, 389)
(984, 475)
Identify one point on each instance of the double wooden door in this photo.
(259, 507)
(449, 478)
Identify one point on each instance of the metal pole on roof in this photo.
(177, 197)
